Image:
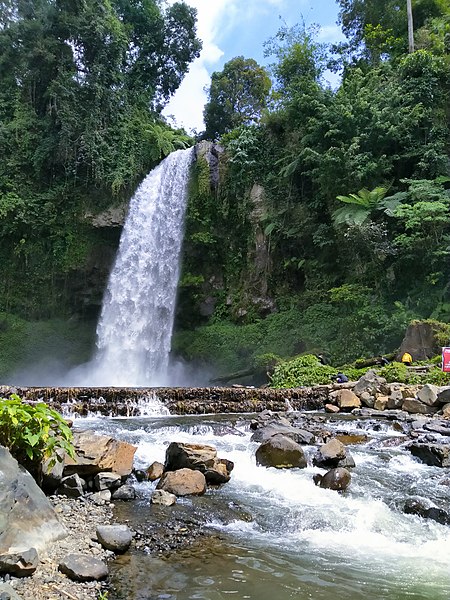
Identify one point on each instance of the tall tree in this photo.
(237, 96)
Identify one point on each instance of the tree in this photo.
(237, 96)
(360, 207)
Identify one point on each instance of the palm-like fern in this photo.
(360, 207)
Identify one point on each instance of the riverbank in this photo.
(81, 519)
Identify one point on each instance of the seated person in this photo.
(341, 378)
(407, 359)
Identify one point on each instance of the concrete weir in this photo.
(129, 402)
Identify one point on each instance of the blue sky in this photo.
(230, 28)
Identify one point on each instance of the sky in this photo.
(230, 28)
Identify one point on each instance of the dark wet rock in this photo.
(71, 486)
(107, 481)
(124, 492)
(140, 475)
(114, 537)
(81, 567)
(155, 471)
(444, 395)
(300, 436)
(163, 498)
(333, 454)
(183, 482)
(281, 452)
(27, 520)
(220, 472)
(335, 479)
(414, 506)
(52, 472)
(441, 427)
(435, 455)
(19, 564)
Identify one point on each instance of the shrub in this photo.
(395, 371)
(33, 433)
(301, 371)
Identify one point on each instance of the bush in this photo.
(395, 372)
(33, 433)
(301, 371)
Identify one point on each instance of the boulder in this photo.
(100, 498)
(183, 482)
(281, 452)
(198, 457)
(435, 455)
(416, 407)
(347, 400)
(124, 492)
(331, 408)
(294, 433)
(114, 537)
(421, 340)
(330, 454)
(107, 481)
(370, 382)
(163, 498)
(444, 395)
(381, 402)
(155, 471)
(395, 400)
(367, 399)
(20, 564)
(446, 411)
(71, 486)
(413, 506)
(27, 519)
(428, 394)
(52, 472)
(334, 479)
(80, 567)
(96, 453)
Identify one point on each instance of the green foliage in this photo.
(237, 96)
(33, 433)
(394, 372)
(301, 371)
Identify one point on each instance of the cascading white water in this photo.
(135, 327)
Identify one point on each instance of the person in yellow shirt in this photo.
(407, 359)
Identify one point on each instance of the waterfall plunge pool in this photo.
(286, 538)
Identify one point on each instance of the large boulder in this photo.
(415, 407)
(435, 455)
(96, 453)
(27, 519)
(333, 454)
(347, 400)
(421, 340)
(281, 452)
(294, 433)
(114, 537)
(335, 479)
(184, 482)
(428, 394)
(198, 457)
(370, 382)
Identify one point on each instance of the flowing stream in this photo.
(135, 327)
(302, 541)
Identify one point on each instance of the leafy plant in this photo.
(33, 433)
(301, 371)
(395, 372)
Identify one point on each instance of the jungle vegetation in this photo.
(330, 228)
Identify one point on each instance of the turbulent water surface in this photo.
(303, 541)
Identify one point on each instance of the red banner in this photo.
(446, 360)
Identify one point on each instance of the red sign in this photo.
(446, 360)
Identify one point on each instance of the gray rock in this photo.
(163, 498)
(428, 394)
(335, 479)
(81, 567)
(444, 395)
(27, 520)
(347, 400)
(71, 486)
(198, 457)
(107, 481)
(330, 454)
(52, 472)
(281, 452)
(294, 433)
(7, 592)
(369, 382)
(125, 492)
(435, 455)
(416, 407)
(100, 498)
(183, 482)
(20, 564)
(114, 537)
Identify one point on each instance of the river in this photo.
(287, 538)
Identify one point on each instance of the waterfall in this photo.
(135, 327)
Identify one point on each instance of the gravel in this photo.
(81, 518)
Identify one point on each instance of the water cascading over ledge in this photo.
(135, 327)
